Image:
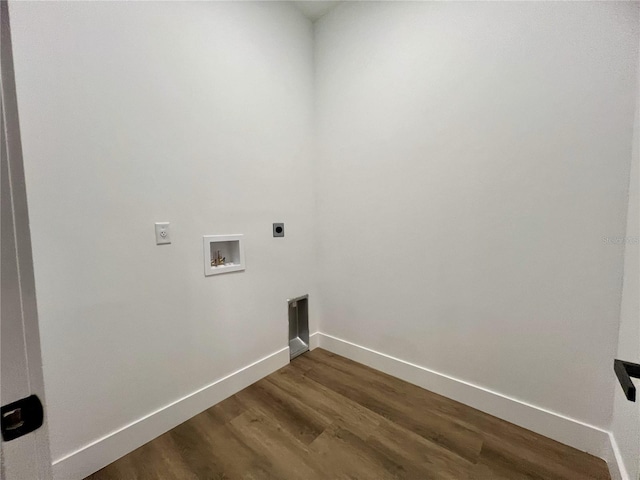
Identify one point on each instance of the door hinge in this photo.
(21, 417)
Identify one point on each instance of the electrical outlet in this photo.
(162, 233)
(278, 229)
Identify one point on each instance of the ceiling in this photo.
(313, 10)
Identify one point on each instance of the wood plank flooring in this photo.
(326, 417)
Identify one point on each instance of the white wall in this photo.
(199, 114)
(473, 156)
(626, 415)
(471, 159)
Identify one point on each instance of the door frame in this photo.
(31, 452)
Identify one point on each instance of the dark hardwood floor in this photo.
(326, 417)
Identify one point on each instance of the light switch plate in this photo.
(162, 233)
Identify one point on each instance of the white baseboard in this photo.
(613, 457)
(561, 428)
(103, 451)
(314, 340)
